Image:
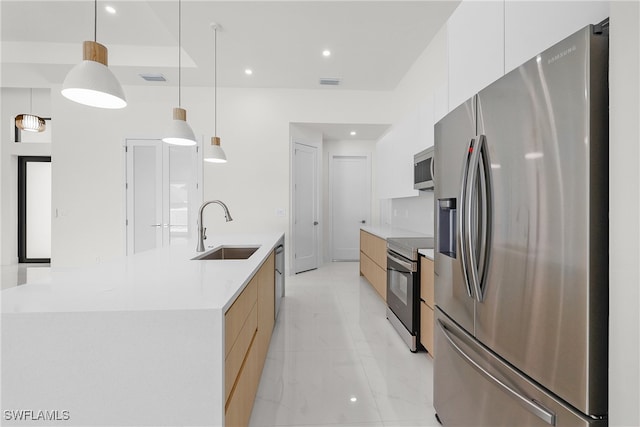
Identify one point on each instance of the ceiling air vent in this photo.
(150, 77)
(329, 81)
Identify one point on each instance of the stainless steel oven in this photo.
(403, 286)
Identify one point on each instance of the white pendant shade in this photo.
(213, 153)
(92, 83)
(179, 132)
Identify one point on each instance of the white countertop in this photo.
(386, 232)
(158, 279)
(427, 253)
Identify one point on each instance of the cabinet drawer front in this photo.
(375, 248)
(426, 327)
(240, 403)
(239, 350)
(237, 314)
(374, 274)
(266, 308)
(426, 281)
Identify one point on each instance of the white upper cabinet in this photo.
(395, 150)
(533, 26)
(475, 36)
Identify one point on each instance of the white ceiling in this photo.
(373, 43)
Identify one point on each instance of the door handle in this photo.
(472, 175)
(478, 264)
(462, 224)
(315, 223)
(529, 404)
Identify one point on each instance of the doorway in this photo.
(349, 203)
(161, 193)
(34, 209)
(305, 207)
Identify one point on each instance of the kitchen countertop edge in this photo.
(155, 280)
(427, 253)
(386, 232)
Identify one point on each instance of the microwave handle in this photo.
(432, 167)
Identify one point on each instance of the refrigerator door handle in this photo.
(529, 404)
(477, 265)
(462, 229)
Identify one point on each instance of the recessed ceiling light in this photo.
(248, 71)
(110, 9)
(352, 133)
(326, 52)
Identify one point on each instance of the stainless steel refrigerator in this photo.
(521, 259)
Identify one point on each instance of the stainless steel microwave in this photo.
(423, 172)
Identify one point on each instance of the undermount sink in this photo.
(228, 252)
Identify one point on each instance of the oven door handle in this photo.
(408, 265)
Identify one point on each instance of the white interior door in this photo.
(160, 191)
(179, 192)
(305, 205)
(350, 204)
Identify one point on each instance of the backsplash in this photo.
(409, 213)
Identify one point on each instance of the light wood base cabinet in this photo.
(373, 261)
(237, 411)
(427, 304)
(266, 307)
(248, 326)
(426, 327)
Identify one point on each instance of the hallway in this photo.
(334, 359)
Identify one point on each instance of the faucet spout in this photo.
(202, 231)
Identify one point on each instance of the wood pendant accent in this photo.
(215, 140)
(180, 114)
(94, 51)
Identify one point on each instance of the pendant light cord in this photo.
(31, 100)
(179, 53)
(95, 21)
(215, 81)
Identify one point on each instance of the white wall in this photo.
(427, 78)
(88, 172)
(624, 215)
(414, 213)
(14, 101)
(346, 148)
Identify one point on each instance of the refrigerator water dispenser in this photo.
(447, 219)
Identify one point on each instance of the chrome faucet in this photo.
(202, 231)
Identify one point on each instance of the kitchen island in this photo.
(137, 341)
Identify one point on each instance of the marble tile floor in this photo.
(335, 360)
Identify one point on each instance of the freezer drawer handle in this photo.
(529, 404)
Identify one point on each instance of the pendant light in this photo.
(214, 153)
(91, 82)
(179, 132)
(30, 122)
